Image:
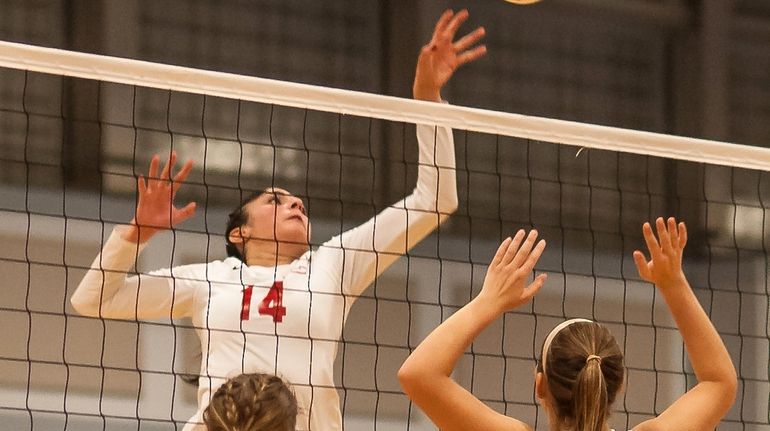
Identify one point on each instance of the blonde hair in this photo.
(584, 372)
(252, 402)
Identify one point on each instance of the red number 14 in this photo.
(271, 305)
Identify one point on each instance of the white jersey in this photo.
(241, 330)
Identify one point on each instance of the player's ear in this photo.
(237, 234)
(540, 386)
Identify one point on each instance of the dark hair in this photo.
(238, 218)
(252, 402)
(584, 373)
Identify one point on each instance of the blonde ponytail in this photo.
(590, 397)
(584, 371)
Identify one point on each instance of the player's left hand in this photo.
(505, 285)
(440, 57)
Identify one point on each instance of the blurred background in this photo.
(697, 68)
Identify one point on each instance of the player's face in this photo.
(278, 215)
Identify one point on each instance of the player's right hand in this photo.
(665, 265)
(155, 208)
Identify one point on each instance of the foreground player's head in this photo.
(579, 375)
(252, 402)
(265, 219)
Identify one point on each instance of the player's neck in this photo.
(554, 425)
(270, 253)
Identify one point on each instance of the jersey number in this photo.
(271, 305)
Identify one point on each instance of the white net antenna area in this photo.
(188, 80)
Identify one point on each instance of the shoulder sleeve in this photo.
(106, 291)
(369, 249)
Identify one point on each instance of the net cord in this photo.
(347, 102)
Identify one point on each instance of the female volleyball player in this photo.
(252, 402)
(581, 368)
(280, 308)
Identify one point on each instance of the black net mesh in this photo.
(72, 149)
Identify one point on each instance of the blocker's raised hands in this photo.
(505, 285)
(155, 208)
(665, 265)
(440, 57)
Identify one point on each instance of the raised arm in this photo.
(105, 290)
(703, 406)
(426, 374)
(370, 248)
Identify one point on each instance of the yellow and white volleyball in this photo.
(523, 1)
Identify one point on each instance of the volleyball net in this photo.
(76, 130)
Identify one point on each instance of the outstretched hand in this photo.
(665, 265)
(505, 284)
(155, 208)
(440, 58)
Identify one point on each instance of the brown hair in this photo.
(584, 372)
(252, 402)
(237, 218)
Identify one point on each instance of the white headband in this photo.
(554, 332)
